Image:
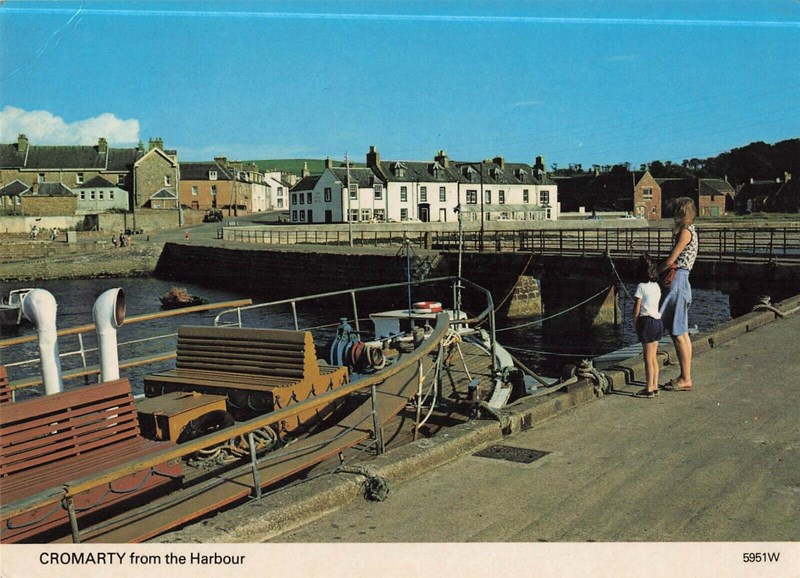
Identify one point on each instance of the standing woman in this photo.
(675, 307)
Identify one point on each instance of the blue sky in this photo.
(588, 82)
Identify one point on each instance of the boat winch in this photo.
(349, 350)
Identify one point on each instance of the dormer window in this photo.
(399, 169)
(79, 178)
(212, 175)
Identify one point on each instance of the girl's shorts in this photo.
(649, 329)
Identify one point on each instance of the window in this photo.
(79, 178)
(526, 196)
(488, 199)
(111, 195)
(280, 191)
(501, 197)
(214, 190)
(120, 180)
(212, 176)
(378, 191)
(647, 192)
(40, 177)
(92, 195)
(366, 214)
(654, 210)
(380, 215)
(280, 203)
(442, 195)
(167, 180)
(472, 197)
(353, 189)
(404, 214)
(354, 215)
(328, 195)
(423, 194)
(301, 197)
(544, 198)
(302, 216)
(308, 198)
(83, 195)
(194, 191)
(403, 194)
(294, 216)
(548, 213)
(101, 195)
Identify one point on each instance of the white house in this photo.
(397, 191)
(278, 195)
(99, 195)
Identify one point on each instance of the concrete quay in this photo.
(717, 464)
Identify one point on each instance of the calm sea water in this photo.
(544, 347)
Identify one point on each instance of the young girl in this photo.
(647, 321)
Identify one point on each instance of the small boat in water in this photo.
(178, 297)
(11, 308)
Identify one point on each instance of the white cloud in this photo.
(44, 128)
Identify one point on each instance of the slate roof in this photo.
(716, 187)
(68, 157)
(364, 177)
(52, 190)
(307, 183)
(122, 160)
(416, 171)
(97, 182)
(14, 188)
(199, 171)
(10, 157)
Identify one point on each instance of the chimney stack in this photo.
(442, 159)
(22, 143)
(499, 161)
(373, 157)
(102, 146)
(328, 163)
(157, 142)
(305, 172)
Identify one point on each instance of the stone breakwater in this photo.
(91, 263)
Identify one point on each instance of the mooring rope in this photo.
(539, 321)
(375, 487)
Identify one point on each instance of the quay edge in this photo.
(285, 510)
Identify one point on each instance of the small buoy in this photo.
(427, 307)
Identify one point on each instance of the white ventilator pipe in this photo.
(39, 307)
(109, 314)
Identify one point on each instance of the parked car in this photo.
(212, 216)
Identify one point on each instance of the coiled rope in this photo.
(587, 371)
(375, 487)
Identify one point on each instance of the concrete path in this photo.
(720, 463)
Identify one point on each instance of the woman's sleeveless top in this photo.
(689, 254)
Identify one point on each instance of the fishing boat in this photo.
(11, 308)
(242, 408)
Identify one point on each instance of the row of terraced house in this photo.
(79, 180)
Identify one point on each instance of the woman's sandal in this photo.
(645, 393)
(672, 386)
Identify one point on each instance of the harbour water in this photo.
(544, 345)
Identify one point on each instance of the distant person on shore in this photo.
(647, 321)
(186, 235)
(54, 234)
(675, 307)
(114, 241)
(121, 239)
(34, 232)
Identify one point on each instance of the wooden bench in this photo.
(259, 370)
(48, 442)
(5, 388)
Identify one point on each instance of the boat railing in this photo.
(67, 493)
(85, 352)
(457, 285)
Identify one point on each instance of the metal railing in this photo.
(717, 243)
